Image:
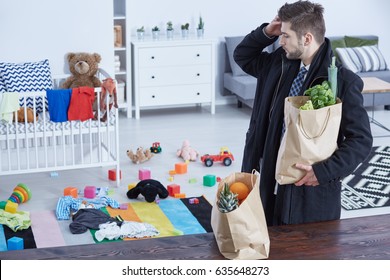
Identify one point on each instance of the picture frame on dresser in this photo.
(173, 72)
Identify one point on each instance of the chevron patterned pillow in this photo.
(27, 77)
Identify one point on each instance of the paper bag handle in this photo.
(254, 172)
(322, 129)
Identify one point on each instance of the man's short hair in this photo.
(304, 17)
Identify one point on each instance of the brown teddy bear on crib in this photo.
(83, 67)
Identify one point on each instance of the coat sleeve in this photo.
(249, 54)
(355, 139)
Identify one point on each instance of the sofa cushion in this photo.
(371, 58)
(338, 43)
(27, 77)
(360, 41)
(231, 44)
(349, 59)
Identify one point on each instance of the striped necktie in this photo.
(298, 81)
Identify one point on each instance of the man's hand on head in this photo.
(273, 28)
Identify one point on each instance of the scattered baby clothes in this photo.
(81, 101)
(67, 205)
(127, 229)
(9, 103)
(89, 218)
(58, 100)
(15, 221)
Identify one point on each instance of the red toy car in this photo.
(224, 155)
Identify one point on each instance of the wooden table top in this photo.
(375, 85)
(352, 239)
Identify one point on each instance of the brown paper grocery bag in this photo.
(242, 233)
(310, 136)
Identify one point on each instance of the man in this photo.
(300, 28)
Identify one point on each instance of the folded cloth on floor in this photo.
(9, 103)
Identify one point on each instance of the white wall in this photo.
(36, 29)
(32, 30)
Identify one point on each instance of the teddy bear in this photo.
(140, 155)
(187, 152)
(83, 68)
(149, 188)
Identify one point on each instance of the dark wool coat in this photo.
(275, 74)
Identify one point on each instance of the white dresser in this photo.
(173, 73)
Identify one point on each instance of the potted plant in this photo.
(155, 32)
(140, 33)
(169, 30)
(200, 29)
(184, 30)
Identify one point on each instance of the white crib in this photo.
(43, 145)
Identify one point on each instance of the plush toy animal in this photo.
(108, 87)
(140, 155)
(187, 152)
(29, 114)
(149, 188)
(83, 68)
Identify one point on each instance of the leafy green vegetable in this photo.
(320, 96)
(307, 106)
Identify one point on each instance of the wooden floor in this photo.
(349, 239)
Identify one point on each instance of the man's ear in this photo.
(308, 39)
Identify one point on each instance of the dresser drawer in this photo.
(173, 95)
(177, 55)
(151, 77)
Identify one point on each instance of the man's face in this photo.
(290, 42)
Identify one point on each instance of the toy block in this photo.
(219, 179)
(181, 168)
(144, 174)
(123, 206)
(209, 180)
(71, 191)
(173, 189)
(179, 195)
(172, 172)
(53, 174)
(110, 192)
(131, 185)
(15, 243)
(2, 204)
(192, 180)
(193, 200)
(170, 179)
(89, 192)
(11, 207)
(112, 174)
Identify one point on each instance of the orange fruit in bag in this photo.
(240, 189)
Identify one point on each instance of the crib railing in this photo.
(42, 145)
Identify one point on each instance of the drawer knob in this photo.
(198, 74)
(152, 77)
(153, 96)
(197, 55)
(152, 57)
(198, 93)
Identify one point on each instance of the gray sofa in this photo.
(244, 86)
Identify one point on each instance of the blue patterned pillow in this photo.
(27, 77)
(2, 85)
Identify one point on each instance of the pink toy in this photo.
(187, 152)
(89, 192)
(144, 174)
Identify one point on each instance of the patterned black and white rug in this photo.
(369, 185)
